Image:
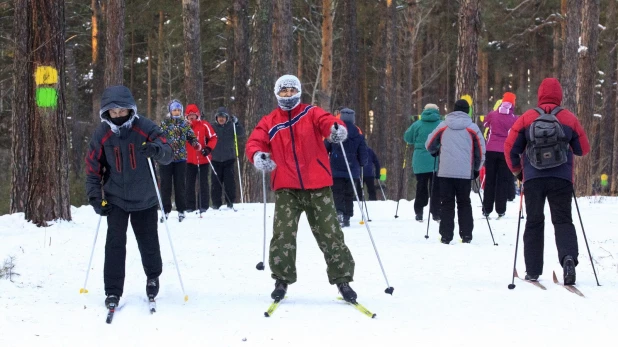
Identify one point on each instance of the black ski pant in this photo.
(559, 193)
(451, 190)
(225, 171)
(423, 189)
(371, 187)
(203, 193)
(173, 175)
(343, 193)
(144, 225)
(498, 177)
(511, 196)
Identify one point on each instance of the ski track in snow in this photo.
(453, 295)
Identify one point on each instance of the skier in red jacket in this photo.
(288, 142)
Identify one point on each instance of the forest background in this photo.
(385, 59)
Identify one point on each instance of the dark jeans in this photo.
(203, 193)
(225, 171)
(423, 189)
(144, 225)
(498, 177)
(343, 193)
(451, 190)
(173, 175)
(371, 187)
(559, 193)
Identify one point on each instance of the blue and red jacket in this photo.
(549, 97)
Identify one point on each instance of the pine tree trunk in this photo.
(261, 89)
(468, 28)
(609, 97)
(193, 81)
(409, 58)
(114, 42)
(283, 40)
(350, 71)
(230, 59)
(570, 46)
(390, 118)
(484, 83)
(326, 84)
(242, 65)
(586, 77)
(98, 59)
(40, 106)
(159, 112)
(149, 83)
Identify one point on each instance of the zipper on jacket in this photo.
(300, 178)
(118, 159)
(132, 156)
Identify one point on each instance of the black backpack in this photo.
(547, 145)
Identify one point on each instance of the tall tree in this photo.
(570, 45)
(468, 29)
(326, 77)
(194, 86)
(98, 66)
(283, 40)
(586, 80)
(114, 42)
(261, 88)
(159, 110)
(350, 70)
(45, 196)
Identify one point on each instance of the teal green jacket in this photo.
(416, 135)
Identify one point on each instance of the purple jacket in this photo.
(499, 125)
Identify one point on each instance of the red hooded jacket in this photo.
(294, 139)
(549, 96)
(205, 135)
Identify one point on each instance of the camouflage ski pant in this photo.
(319, 207)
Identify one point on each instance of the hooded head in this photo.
(550, 92)
(118, 97)
(288, 103)
(348, 115)
(431, 113)
(223, 115)
(192, 112)
(462, 105)
(175, 105)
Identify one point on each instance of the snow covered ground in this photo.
(453, 295)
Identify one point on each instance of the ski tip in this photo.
(186, 298)
(83, 291)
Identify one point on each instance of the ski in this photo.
(570, 288)
(110, 314)
(536, 283)
(360, 307)
(152, 305)
(273, 307)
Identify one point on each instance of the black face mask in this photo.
(120, 120)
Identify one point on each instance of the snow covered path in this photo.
(453, 295)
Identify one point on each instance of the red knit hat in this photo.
(509, 97)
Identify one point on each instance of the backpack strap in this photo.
(556, 110)
(539, 110)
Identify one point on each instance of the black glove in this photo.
(476, 174)
(206, 151)
(434, 154)
(234, 119)
(149, 149)
(101, 207)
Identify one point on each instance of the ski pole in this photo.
(260, 265)
(585, 238)
(433, 179)
(380, 184)
(389, 289)
(220, 183)
(242, 197)
(169, 236)
(405, 154)
(199, 181)
(94, 242)
(521, 198)
(486, 217)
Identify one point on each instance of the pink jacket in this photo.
(499, 125)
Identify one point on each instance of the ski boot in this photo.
(111, 302)
(166, 217)
(531, 277)
(181, 216)
(466, 239)
(347, 292)
(230, 206)
(280, 289)
(152, 287)
(419, 217)
(568, 268)
(346, 221)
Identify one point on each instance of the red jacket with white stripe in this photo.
(294, 139)
(206, 136)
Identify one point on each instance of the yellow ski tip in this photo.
(186, 298)
(83, 290)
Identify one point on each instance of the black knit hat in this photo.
(462, 105)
